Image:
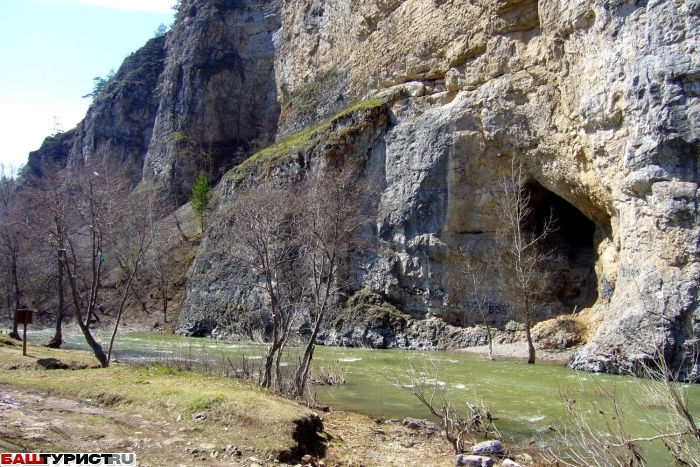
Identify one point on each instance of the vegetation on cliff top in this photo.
(140, 68)
(307, 100)
(286, 148)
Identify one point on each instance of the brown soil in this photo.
(33, 422)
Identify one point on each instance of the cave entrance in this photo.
(573, 266)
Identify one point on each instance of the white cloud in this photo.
(152, 6)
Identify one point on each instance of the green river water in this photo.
(526, 398)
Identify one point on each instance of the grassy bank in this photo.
(215, 406)
(171, 417)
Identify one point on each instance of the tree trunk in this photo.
(530, 346)
(85, 326)
(303, 370)
(269, 362)
(14, 334)
(165, 303)
(15, 328)
(119, 314)
(488, 330)
(8, 298)
(57, 340)
(95, 346)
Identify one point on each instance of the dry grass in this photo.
(563, 332)
(261, 420)
(151, 410)
(38, 358)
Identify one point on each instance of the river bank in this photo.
(518, 351)
(170, 417)
(526, 399)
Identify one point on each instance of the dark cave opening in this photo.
(572, 243)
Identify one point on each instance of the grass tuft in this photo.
(204, 403)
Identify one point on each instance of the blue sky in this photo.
(50, 50)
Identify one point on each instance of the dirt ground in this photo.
(32, 422)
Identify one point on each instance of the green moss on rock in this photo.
(329, 132)
(366, 305)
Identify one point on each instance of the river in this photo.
(527, 399)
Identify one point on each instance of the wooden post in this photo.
(25, 317)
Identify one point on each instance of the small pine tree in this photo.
(161, 31)
(100, 84)
(201, 197)
(176, 8)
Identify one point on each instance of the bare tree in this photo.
(12, 240)
(133, 242)
(597, 430)
(263, 245)
(330, 224)
(471, 281)
(424, 383)
(51, 218)
(161, 265)
(194, 154)
(524, 278)
(679, 430)
(97, 194)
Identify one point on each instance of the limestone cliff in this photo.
(599, 98)
(119, 123)
(191, 100)
(217, 92)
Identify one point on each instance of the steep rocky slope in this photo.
(599, 99)
(217, 92)
(194, 99)
(119, 123)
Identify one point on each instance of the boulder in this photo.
(489, 448)
(473, 461)
(510, 463)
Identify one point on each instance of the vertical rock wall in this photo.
(217, 92)
(118, 126)
(600, 99)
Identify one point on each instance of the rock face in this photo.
(368, 320)
(119, 123)
(599, 99)
(218, 300)
(194, 99)
(118, 126)
(217, 92)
